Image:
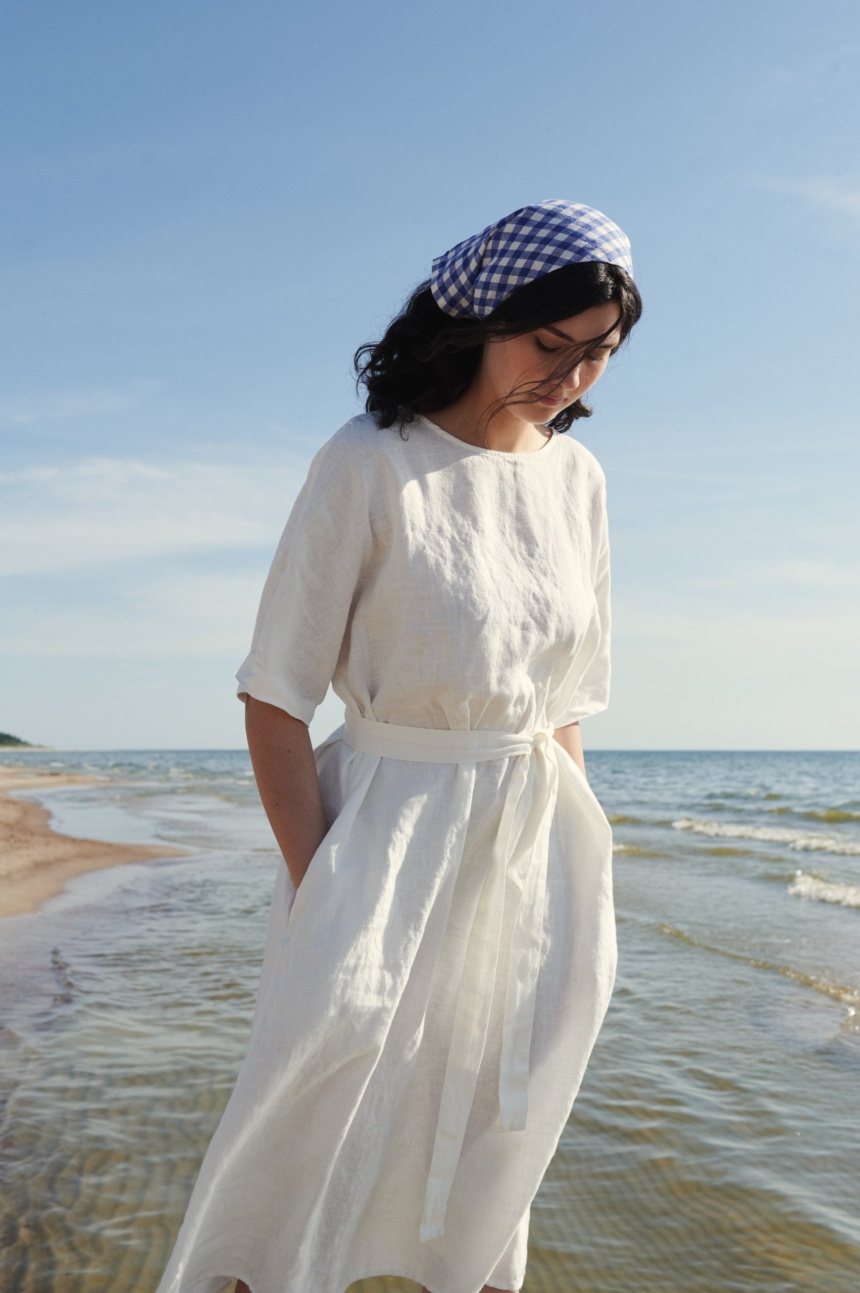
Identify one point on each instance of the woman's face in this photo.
(511, 363)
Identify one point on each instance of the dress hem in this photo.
(370, 1275)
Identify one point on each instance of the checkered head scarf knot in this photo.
(471, 279)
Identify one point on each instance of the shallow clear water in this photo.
(714, 1145)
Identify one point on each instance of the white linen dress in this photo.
(431, 994)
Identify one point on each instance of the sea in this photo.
(715, 1145)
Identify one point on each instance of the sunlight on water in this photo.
(714, 1145)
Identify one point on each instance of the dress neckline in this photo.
(542, 453)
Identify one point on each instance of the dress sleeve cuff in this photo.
(253, 682)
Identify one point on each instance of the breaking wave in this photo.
(816, 890)
(800, 841)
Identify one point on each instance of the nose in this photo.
(569, 385)
(570, 382)
(573, 378)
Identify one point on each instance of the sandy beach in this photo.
(35, 862)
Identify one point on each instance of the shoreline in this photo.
(36, 862)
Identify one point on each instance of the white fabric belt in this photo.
(519, 858)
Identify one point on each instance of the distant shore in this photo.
(36, 863)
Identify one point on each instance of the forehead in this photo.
(585, 327)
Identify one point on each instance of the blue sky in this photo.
(208, 206)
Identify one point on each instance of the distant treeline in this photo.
(6, 739)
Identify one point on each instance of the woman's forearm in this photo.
(283, 760)
(570, 739)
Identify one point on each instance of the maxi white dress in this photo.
(431, 993)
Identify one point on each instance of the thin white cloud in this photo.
(758, 576)
(55, 406)
(738, 628)
(794, 87)
(195, 615)
(819, 573)
(841, 196)
(102, 511)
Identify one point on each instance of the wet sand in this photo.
(36, 862)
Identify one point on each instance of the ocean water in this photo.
(715, 1145)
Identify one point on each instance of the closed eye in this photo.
(597, 356)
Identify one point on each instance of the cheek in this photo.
(507, 364)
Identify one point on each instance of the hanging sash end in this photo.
(431, 1230)
(435, 1207)
(513, 1115)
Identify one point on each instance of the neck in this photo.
(466, 418)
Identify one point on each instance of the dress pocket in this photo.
(583, 790)
(300, 894)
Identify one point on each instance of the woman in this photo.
(441, 943)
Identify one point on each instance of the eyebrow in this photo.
(573, 341)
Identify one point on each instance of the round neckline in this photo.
(543, 452)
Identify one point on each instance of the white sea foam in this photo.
(816, 890)
(800, 841)
(634, 850)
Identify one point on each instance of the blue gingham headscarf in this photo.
(471, 279)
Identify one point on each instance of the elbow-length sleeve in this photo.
(590, 675)
(314, 579)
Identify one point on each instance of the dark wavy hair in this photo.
(427, 358)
